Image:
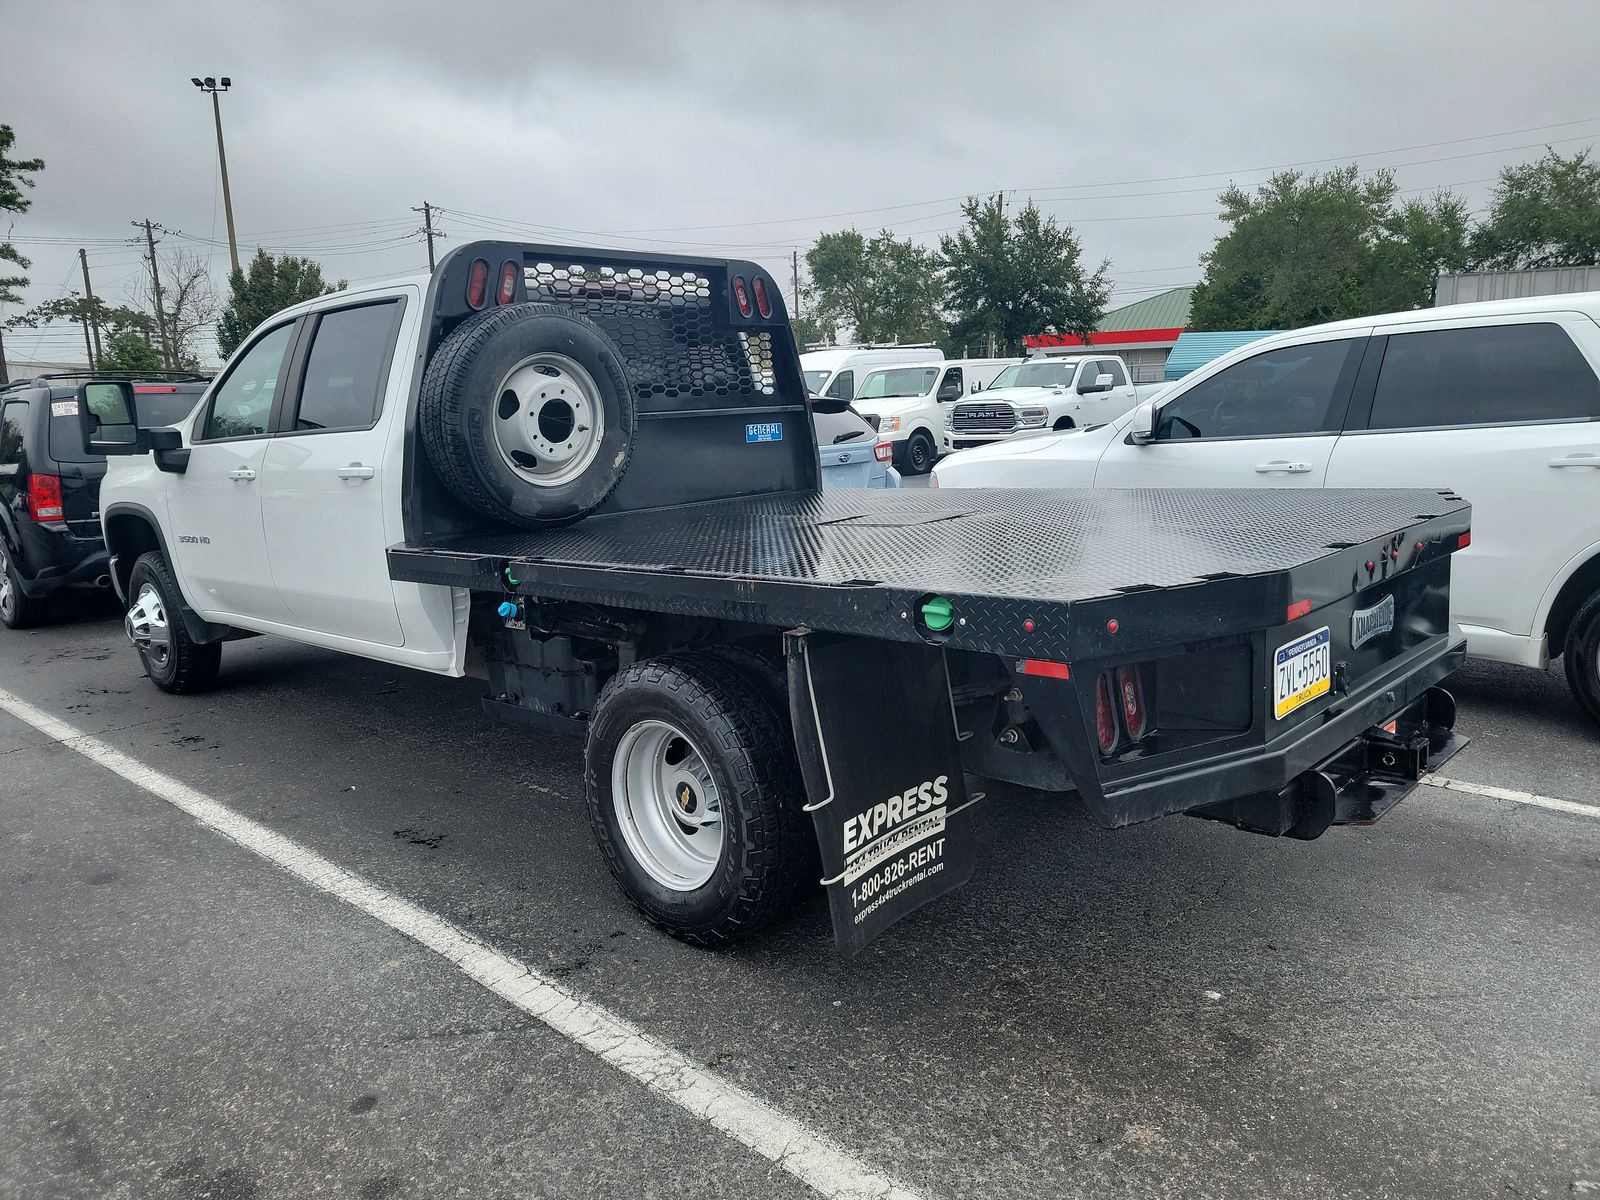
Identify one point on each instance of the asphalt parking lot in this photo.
(1411, 1009)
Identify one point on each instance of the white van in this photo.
(907, 403)
(836, 371)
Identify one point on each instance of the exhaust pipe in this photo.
(102, 581)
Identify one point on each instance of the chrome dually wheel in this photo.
(147, 628)
(667, 805)
(549, 420)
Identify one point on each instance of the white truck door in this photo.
(322, 492)
(1505, 414)
(1268, 420)
(214, 507)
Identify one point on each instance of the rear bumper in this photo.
(53, 561)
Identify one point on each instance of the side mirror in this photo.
(1141, 432)
(1100, 383)
(949, 392)
(108, 416)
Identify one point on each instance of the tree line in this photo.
(160, 327)
(1299, 250)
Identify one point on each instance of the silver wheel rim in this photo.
(548, 420)
(147, 628)
(8, 595)
(667, 806)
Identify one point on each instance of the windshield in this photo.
(1036, 374)
(815, 380)
(899, 383)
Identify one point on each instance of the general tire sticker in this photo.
(764, 431)
(878, 748)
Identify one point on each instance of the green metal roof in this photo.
(1168, 310)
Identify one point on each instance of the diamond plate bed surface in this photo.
(1053, 545)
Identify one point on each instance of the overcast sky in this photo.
(745, 129)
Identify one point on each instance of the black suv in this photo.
(50, 538)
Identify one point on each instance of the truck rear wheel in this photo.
(174, 661)
(695, 800)
(527, 416)
(1581, 656)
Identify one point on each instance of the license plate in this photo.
(1302, 670)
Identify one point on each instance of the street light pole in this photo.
(210, 84)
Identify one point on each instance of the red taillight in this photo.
(1130, 692)
(883, 452)
(507, 291)
(478, 284)
(1105, 716)
(763, 303)
(1464, 540)
(143, 388)
(741, 296)
(44, 497)
(1299, 609)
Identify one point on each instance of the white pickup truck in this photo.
(1499, 400)
(1046, 393)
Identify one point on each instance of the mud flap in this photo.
(878, 745)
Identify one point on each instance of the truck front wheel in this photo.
(695, 799)
(1581, 656)
(921, 453)
(174, 661)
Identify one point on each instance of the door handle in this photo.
(241, 474)
(1591, 461)
(356, 471)
(1280, 467)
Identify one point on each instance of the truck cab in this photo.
(909, 403)
(1045, 393)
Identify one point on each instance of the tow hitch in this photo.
(1356, 786)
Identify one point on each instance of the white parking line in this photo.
(810, 1156)
(1500, 793)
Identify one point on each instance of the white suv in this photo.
(1498, 401)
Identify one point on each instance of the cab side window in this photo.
(1111, 367)
(952, 381)
(843, 386)
(1491, 375)
(13, 421)
(1289, 391)
(242, 404)
(345, 373)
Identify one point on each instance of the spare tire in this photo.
(527, 416)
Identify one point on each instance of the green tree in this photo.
(1011, 276)
(129, 349)
(16, 174)
(1543, 214)
(1304, 249)
(270, 285)
(881, 288)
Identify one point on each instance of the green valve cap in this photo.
(938, 614)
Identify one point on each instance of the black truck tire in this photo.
(921, 453)
(17, 611)
(174, 661)
(527, 416)
(1581, 656)
(687, 747)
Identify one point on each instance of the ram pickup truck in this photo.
(590, 480)
(1046, 393)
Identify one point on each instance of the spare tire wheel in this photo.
(527, 416)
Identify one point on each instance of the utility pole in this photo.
(94, 321)
(427, 227)
(210, 84)
(796, 266)
(155, 285)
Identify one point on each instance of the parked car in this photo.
(835, 372)
(849, 448)
(1499, 401)
(1045, 393)
(50, 543)
(908, 403)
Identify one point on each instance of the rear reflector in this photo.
(883, 452)
(763, 303)
(1130, 692)
(1299, 609)
(44, 497)
(1105, 717)
(1043, 666)
(478, 284)
(741, 296)
(1464, 540)
(507, 291)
